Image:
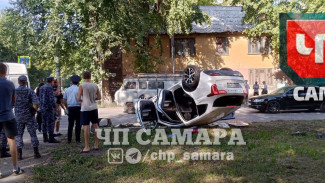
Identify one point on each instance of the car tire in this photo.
(322, 107)
(130, 108)
(273, 107)
(191, 78)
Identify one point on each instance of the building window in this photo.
(222, 46)
(184, 47)
(261, 74)
(258, 46)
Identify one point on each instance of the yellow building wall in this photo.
(206, 56)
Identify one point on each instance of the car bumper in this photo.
(257, 105)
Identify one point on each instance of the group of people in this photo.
(256, 87)
(79, 102)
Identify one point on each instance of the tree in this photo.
(264, 15)
(81, 34)
(280, 75)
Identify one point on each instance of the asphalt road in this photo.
(244, 114)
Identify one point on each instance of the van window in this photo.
(142, 85)
(155, 85)
(130, 85)
(160, 85)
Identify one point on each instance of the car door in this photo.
(311, 103)
(303, 104)
(289, 100)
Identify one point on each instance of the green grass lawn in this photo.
(271, 155)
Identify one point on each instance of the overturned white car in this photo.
(203, 97)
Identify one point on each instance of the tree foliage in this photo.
(264, 15)
(80, 34)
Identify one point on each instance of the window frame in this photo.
(156, 84)
(140, 82)
(259, 41)
(190, 46)
(226, 46)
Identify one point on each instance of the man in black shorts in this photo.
(87, 95)
(7, 119)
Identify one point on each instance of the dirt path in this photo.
(28, 161)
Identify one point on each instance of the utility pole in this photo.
(58, 69)
(173, 54)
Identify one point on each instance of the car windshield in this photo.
(280, 90)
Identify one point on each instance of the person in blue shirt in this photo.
(73, 106)
(48, 107)
(25, 116)
(7, 119)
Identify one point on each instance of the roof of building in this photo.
(223, 19)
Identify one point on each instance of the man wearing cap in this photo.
(25, 116)
(73, 106)
(7, 119)
(48, 106)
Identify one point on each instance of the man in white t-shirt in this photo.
(87, 95)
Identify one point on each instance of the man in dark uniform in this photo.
(48, 107)
(4, 142)
(73, 106)
(25, 115)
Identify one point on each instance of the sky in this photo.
(4, 4)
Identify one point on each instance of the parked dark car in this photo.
(283, 99)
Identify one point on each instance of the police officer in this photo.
(48, 107)
(25, 115)
(4, 142)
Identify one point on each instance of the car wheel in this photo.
(191, 78)
(130, 108)
(322, 107)
(273, 107)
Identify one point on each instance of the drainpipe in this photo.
(173, 51)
